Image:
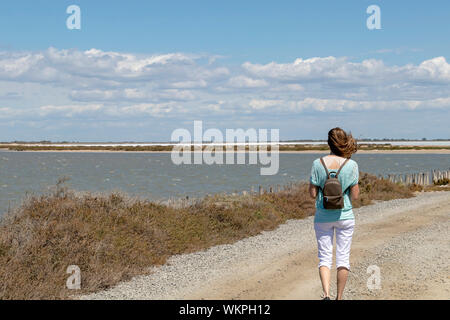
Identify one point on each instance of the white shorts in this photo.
(324, 236)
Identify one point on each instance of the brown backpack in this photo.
(333, 196)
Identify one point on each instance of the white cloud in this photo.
(131, 94)
(146, 109)
(109, 85)
(369, 71)
(264, 104)
(68, 110)
(246, 82)
(7, 112)
(190, 84)
(435, 70)
(340, 105)
(69, 65)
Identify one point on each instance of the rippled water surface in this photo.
(153, 175)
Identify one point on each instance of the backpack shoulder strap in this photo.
(339, 171)
(326, 170)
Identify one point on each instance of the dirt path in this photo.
(407, 239)
(411, 248)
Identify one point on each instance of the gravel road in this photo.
(407, 239)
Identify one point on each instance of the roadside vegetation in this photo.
(439, 185)
(113, 237)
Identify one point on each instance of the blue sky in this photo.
(137, 70)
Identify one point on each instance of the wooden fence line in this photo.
(421, 178)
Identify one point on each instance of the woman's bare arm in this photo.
(354, 192)
(313, 190)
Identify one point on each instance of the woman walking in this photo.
(334, 184)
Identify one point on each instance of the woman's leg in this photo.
(344, 234)
(324, 273)
(324, 236)
(342, 275)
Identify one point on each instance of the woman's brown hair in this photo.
(341, 143)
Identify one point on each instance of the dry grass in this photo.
(113, 237)
(373, 188)
(437, 187)
(442, 182)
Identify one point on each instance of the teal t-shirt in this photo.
(348, 177)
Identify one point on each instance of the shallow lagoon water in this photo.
(154, 176)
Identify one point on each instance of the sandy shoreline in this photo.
(407, 151)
